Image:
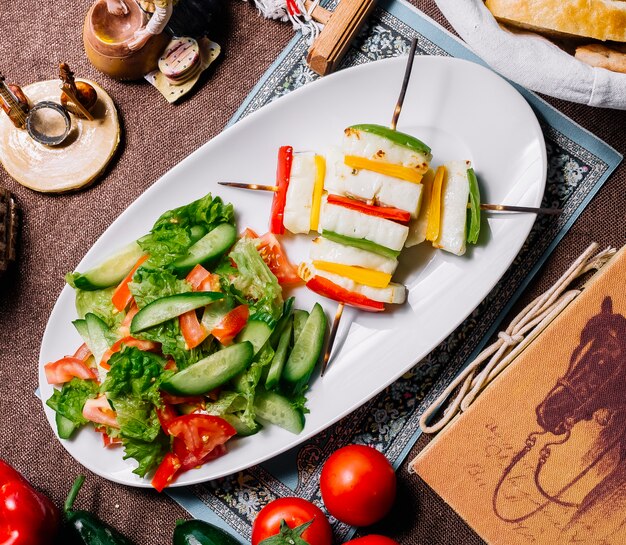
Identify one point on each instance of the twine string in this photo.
(522, 330)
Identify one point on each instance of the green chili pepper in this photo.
(361, 243)
(83, 528)
(474, 212)
(400, 138)
(198, 532)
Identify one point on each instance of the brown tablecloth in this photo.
(58, 230)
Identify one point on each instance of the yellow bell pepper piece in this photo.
(368, 277)
(434, 212)
(318, 189)
(382, 167)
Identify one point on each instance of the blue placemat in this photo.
(578, 165)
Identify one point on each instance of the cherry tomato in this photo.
(372, 539)
(295, 512)
(358, 485)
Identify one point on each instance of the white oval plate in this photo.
(463, 111)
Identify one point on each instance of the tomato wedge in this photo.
(283, 173)
(125, 326)
(386, 212)
(201, 433)
(147, 346)
(166, 414)
(167, 470)
(65, 369)
(230, 324)
(99, 411)
(191, 328)
(275, 258)
(82, 353)
(172, 399)
(326, 288)
(190, 461)
(107, 440)
(202, 280)
(122, 296)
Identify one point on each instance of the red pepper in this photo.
(386, 212)
(283, 173)
(27, 517)
(324, 287)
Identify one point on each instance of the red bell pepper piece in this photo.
(122, 296)
(283, 173)
(27, 517)
(324, 287)
(386, 212)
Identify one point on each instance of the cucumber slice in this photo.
(307, 348)
(83, 329)
(109, 273)
(65, 427)
(400, 138)
(98, 336)
(299, 319)
(276, 409)
(211, 372)
(257, 333)
(211, 245)
(282, 323)
(166, 308)
(280, 357)
(242, 428)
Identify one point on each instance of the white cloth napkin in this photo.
(533, 61)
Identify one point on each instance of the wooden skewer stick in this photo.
(483, 206)
(394, 122)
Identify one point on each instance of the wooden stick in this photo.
(484, 206)
(394, 122)
(331, 337)
(332, 43)
(320, 14)
(405, 84)
(528, 209)
(256, 187)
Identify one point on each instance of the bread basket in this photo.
(533, 61)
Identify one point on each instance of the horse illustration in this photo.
(593, 387)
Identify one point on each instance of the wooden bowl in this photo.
(105, 37)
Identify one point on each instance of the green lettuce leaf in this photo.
(176, 230)
(70, 400)
(246, 383)
(98, 302)
(253, 283)
(147, 454)
(132, 386)
(149, 284)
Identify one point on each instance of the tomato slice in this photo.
(167, 470)
(82, 353)
(65, 369)
(275, 258)
(122, 296)
(386, 212)
(230, 324)
(171, 399)
(99, 411)
(167, 413)
(147, 346)
(283, 173)
(125, 326)
(202, 280)
(191, 328)
(107, 440)
(201, 433)
(326, 288)
(190, 461)
(249, 233)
